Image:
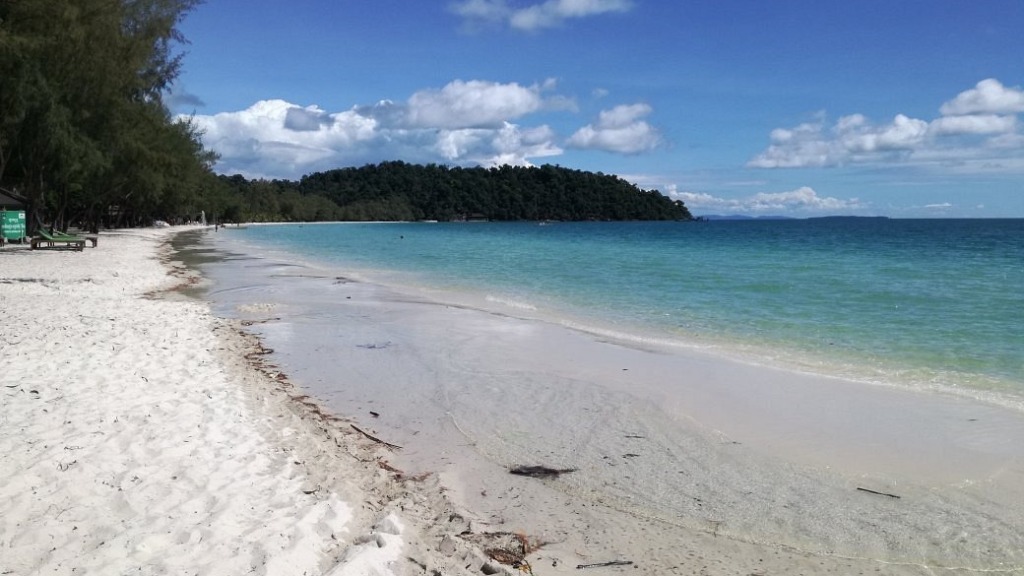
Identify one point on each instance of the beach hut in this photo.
(12, 217)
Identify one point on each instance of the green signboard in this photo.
(12, 224)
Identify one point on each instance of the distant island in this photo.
(847, 217)
(744, 217)
(398, 191)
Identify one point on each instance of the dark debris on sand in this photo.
(540, 471)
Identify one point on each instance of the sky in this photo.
(909, 108)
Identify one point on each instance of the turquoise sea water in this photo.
(921, 303)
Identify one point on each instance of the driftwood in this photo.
(870, 491)
(605, 564)
(509, 548)
(374, 438)
(539, 471)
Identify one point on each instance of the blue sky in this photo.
(909, 108)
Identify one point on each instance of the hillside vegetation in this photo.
(401, 191)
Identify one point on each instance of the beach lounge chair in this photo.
(61, 235)
(44, 238)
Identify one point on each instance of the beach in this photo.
(147, 430)
(135, 436)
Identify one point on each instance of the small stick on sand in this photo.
(605, 564)
(868, 490)
(374, 438)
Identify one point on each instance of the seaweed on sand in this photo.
(540, 471)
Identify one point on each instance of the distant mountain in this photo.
(776, 217)
(849, 218)
(743, 217)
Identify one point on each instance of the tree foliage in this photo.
(401, 191)
(85, 136)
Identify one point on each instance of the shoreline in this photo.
(464, 431)
(161, 447)
(843, 360)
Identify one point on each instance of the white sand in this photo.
(135, 439)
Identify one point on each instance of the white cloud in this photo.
(514, 145)
(263, 135)
(548, 14)
(465, 122)
(973, 124)
(619, 129)
(803, 200)
(979, 129)
(902, 133)
(472, 104)
(510, 144)
(487, 10)
(803, 146)
(987, 97)
(553, 12)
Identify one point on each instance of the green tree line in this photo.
(85, 137)
(401, 191)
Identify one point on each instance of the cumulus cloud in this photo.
(472, 104)
(803, 200)
(988, 97)
(463, 123)
(548, 14)
(978, 129)
(850, 139)
(973, 124)
(620, 129)
(510, 144)
(516, 145)
(281, 137)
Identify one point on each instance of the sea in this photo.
(923, 304)
(738, 378)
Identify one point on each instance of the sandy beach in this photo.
(135, 436)
(141, 432)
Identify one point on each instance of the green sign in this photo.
(12, 224)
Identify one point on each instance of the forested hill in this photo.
(401, 191)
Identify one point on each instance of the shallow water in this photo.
(919, 303)
(686, 436)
